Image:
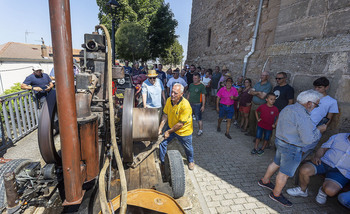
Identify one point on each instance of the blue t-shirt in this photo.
(327, 105)
(42, 82)
(161, 75)
(127, 69)
(262, 88)
(153, 92)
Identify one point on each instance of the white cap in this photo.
(37, 67)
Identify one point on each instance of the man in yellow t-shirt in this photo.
(178, 114)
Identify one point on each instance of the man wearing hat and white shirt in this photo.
(176, 79)
(152, 91)
(39, 82)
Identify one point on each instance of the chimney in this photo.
(44, 52)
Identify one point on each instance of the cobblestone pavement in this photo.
(227, 175)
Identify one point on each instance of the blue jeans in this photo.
(288, 157)
(332, 174)
(261, 131)
(186, 142)
(226, 111)
(344, 199)
(196, 109)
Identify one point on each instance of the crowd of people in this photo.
(264, 111)
(181, 97)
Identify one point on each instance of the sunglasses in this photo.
(152, 78)
(316, 105)
(279, 78)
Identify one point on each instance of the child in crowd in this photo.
(327, 107)
(206, 82)
(266, 122)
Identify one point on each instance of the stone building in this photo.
(305, 38)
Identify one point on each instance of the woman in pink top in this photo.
(224, 104)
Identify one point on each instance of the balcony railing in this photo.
(18, 117)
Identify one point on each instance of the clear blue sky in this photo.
(17, 17)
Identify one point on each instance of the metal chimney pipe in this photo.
(63, 61)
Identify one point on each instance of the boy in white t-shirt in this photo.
(327, 107)
(205, 80)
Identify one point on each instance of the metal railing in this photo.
(19, 117)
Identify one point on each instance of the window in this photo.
(209, 37)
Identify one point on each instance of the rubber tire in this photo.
(12, 166)
(175, 172)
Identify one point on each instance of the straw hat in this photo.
(152, 73)
(228, 75)
(224, 68)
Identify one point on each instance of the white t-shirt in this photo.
(327, 105)
(172, 81)
(205, 81)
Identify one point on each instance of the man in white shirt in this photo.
(175, 79)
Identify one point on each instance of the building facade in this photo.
(305, 38)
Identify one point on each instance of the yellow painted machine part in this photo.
(150, 199)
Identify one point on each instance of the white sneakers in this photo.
(200, 132)
(321, 197)
(296, 191)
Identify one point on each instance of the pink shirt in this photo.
(225, 95)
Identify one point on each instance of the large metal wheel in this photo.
(127, 140)
(46, 125)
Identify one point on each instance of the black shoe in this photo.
(254, 151)
(269, 185)
(281, 199)
(228, 136)
(260, 152)
(218, 129)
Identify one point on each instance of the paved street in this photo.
(227, 175)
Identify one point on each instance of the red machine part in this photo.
(63, 62)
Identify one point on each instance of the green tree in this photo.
(173, 55)
(137, 11)
(161, 32)
(154, 16)
(13, 89)
(131, 42)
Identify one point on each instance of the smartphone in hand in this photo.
(323, 121)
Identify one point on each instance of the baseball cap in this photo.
(37, 67)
